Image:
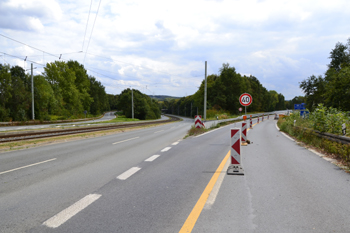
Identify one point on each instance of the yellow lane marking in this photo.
(197, 209)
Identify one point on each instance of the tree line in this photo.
(333, 88)
(223, 91)
(64, 89)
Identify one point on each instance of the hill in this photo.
(163, 97)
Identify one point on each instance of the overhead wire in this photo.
(60, 57)
(86, 26)
(93, 26)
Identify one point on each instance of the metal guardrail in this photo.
(329, 136)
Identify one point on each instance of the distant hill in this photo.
(163, 97)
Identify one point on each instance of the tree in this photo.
(339, 55)
(144, 107)
(20, 101)
(314, 89)
(82, 83)
(100, 98)
(44, 98)
(62, 80)
(5, 91)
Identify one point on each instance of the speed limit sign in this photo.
(245, 99)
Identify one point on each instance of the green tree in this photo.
(5, 91)
(99, 96)
(82, 83)
(62, 80)
(144, 107)
(19, 103)
(339, 55)
(44, 98)
(314, 89)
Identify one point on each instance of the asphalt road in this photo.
(151, 180)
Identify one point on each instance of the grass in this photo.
(197, 131)
(19, 145)
(335, 150)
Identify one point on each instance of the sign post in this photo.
(251, 122)
(235, 168)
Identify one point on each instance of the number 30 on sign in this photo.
(245, 99)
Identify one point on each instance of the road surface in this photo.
(151, 180)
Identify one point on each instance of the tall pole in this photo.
(132, 103)
(33, 116)
(205, 93)
(191, 109)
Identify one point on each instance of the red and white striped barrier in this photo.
(235, 148)
(262, 118)
(258, 119)
(250, 123)
(244, 133)
(198, 121)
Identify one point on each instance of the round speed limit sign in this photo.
(245, 99)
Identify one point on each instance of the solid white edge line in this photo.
(27, 166)
(125, 140)
(214, 193)
(165, 149)
(207, 132)
(128, 173)
(284, 133)
(69, 212)
(311, 150)
(152, 158)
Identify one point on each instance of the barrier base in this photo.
(244, 144)
(235, 170)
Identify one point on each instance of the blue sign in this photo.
(299, 106)
(304, 113)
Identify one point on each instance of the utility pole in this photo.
(205, 93)
(191, 109)
(132, 103)
(33, 116)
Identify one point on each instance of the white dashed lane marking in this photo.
(66, 214)
(128, 173)
(152, 158)
(165, 149)
(159, 131)
(125, 140)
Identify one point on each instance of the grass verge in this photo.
(20, 145)
(334, 150)
(197, 131)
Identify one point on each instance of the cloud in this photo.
(163, 44)
(28, 15)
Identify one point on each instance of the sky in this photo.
(160, 47)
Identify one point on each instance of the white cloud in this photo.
(163, 44)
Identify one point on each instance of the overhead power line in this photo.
(93, 26)
(86, 25)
